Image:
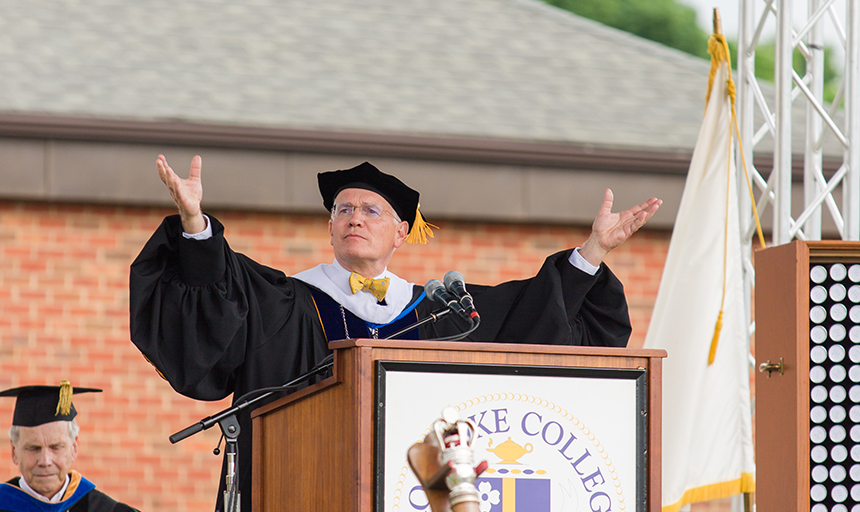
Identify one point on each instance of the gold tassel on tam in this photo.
(64, 405)
(420, 229)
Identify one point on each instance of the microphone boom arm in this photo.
(436, 315)
(242, 404)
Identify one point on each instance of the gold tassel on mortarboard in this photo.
(64, 405)
(420, 229)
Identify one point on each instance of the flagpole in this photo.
(717, 23)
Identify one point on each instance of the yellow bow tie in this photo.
(376, 287)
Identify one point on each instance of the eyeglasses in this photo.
(344, 211)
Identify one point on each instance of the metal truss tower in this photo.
(838, 193)
(765, 116)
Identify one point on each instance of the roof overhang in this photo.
(537, 176)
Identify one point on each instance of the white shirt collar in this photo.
(54, 499)
(334, 281)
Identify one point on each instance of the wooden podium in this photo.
(323, 447)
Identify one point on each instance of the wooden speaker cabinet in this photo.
(807, 343)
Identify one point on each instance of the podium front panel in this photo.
(591, 414)
(554, 437)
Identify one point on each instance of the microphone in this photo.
(436, 291)
(456, 284)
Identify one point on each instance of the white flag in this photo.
(707, 427)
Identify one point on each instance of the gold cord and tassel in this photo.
(719, 50)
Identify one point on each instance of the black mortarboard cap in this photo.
(401, 197)
(37, 405)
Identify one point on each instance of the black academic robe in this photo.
(15, 499)
(214, 322)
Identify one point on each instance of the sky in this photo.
(730, 9)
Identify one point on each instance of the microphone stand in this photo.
(476, 321)
(231, 481)
(230, 430)
(436, 315)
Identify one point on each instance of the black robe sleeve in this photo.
(213, 322)
(95, 501)
(561, 305)
(204, 315)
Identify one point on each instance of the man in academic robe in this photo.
(214, 322)
(44, 439)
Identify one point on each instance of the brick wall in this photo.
(64, 303)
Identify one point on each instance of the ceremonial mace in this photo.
(443, 463)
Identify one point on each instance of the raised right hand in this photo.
(187, 194)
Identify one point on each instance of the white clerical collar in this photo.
(334, 281)
(54, 499)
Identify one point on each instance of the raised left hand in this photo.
(610, 230)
